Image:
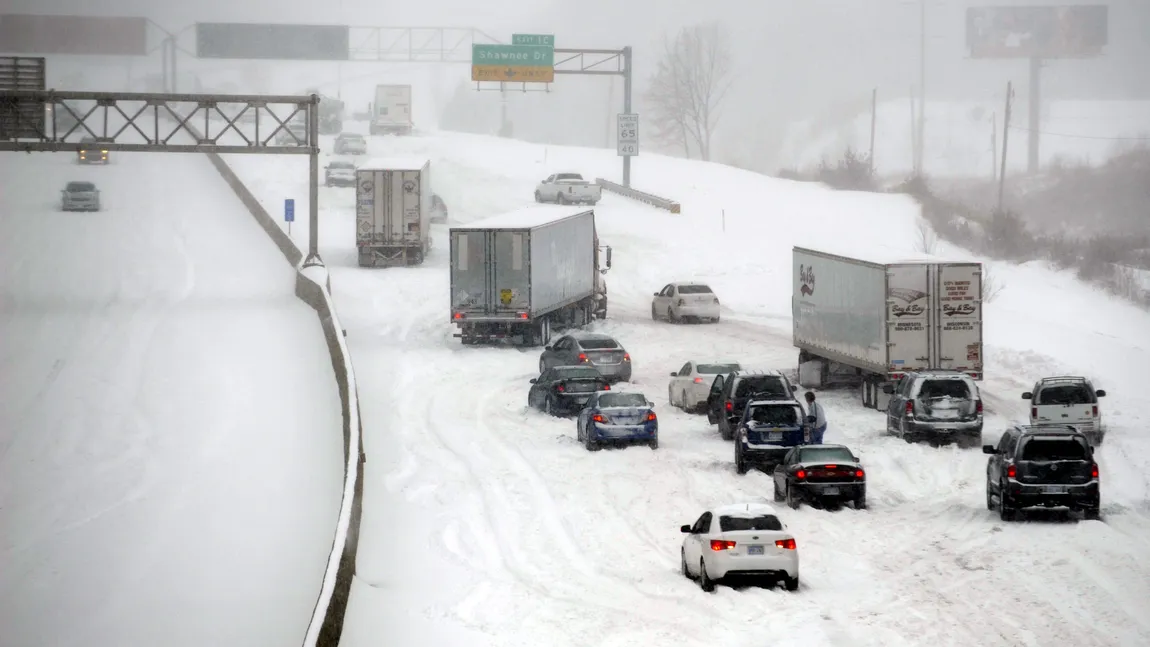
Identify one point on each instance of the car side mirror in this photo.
(548, 347)
(686, 529)
(656, 294)
(888, 389)
(608, 258)
(1028, 395)
(674, 375)
(989, 449)
(1100, 393)
(854, 458)
(533, 380)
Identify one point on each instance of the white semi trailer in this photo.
(393, 212)
(879, 318)
(391, 111)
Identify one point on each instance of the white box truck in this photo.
(391, 110)
(392, 212)
(515, 275)
(879, 318)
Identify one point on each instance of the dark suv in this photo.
(730, 393)
(936, 406)
(1048, 466)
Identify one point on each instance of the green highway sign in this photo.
(513, 55)
(541, 40)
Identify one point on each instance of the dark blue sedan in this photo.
(618, 418)
(768, 430)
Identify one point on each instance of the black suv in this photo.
(730, 393)
(1048, 466)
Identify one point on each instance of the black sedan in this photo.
(563, 390)
(827, 474)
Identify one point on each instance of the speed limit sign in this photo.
(628, 135)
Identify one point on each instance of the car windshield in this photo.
(80, 186)
(714, 369)
(1065, 394)
(598, 344)
(825, 455)
(576, 372)
(1053, 449)
(568, 176)
(622, 400)
(694, 289)
(934, 389)
(765, 385)
(775, 415)
(758, 522)
(342, 165)
(352, 138)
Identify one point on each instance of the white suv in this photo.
(1067, 400)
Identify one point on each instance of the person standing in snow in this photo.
(819, 426)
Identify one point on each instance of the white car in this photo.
(741, 540)
(679, 301)
(690, 387)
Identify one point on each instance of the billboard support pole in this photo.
(627, 74)
(1034, 120)
(1005, 141)
(313, 185)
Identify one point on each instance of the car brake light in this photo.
(1011, 472)
(606, 387)
(560, 388)
(788, 544)
(597, 418)
(522, 315)
(1094, 411)
(651, 416)
(909, 408)
(802, 474)
(1094, 471)
(859, 474)
(698, 380)
(626, 357)
(978, 406)
(721, 544)
(582, 357)
(458, 315)
(830, 467)
(1033, 412)
(729, 406)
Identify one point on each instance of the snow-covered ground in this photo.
(486, 524)
(170, 450)
(959, 136)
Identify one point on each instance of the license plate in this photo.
(775, 435)
(754, 550)
(831, 491)
(1054, 489)
(947, 414)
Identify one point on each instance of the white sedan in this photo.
(680, 301)
(690, 387)
(736, 541)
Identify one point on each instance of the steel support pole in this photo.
(313, 185)
(627, 72)
(1034, 119)
(175, 69)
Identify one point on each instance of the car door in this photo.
(549, 191)
(537, 387)
(679, 381)
(1005, 449)
(780, 473)
(662, 300)
(714, 399)
(693, 547)
(585, 413)
(897, 405)
(552, 355)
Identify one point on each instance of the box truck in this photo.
(392, 212)
(391, 110)
(516, 275)
(878, 318)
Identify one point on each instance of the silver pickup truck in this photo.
(80, 196)
(568, 188)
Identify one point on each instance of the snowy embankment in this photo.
(169, 448)
(485, 523)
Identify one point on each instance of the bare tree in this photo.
(927, 239)
(688, 87)
(991, 288)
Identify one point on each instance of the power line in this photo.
(1109, 139)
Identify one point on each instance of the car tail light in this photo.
(698, 380)
(1033, 412)
(606, 387)
(788, 544)
(830, 467)
(909, 408)
(522, 315)
(729, 406)
(1011, 471)
(802, 474)
(458, 315)
(681, 302)
(582, 357)
(1094, 411)
(722, 544)
(560, 388)
(978, 406)
(860, 474)
(598, 418)
(626, 357)
(651, 416)
(1094, 471)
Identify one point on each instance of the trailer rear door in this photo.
(908, 317)
(470, 288)
(958, 324)
(512, 271)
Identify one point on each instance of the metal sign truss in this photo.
(587, 62)
(415, 44)
(164, 123)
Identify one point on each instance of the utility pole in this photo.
(994, 145)
(1005, 141)
(920, 135)
(1034, 107)
(873, 118)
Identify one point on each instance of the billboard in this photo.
(82, 35)
(1036, 32)
(21, 119)
(266, 41)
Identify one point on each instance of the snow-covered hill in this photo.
(485, 522)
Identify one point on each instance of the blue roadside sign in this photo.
(289, 210)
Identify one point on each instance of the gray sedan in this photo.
(80, 196)
(589, 349)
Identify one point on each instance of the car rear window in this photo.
(825, 455)
(714, 369)
(1065, 394)
(1053, 449)
(81, 186)
(768, 386)
(758, 522)
(694, 289)
(932, 389)
(622, 400)
(775, 415)
(598, 344)
(577, 372)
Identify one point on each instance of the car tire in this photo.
(590, 443)
(671, 316)
(1092, 514)
(671, 396)
(538, 197)
(1005, 512)
(654, 315)
(793, 501)
(860, 502)
(548, 406)
(705, 581)
(791, 583)
(725, 431)
(989, 499)
(740, 462)
(683, 564)
(654, 444)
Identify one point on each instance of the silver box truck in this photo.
(882, 317)
(515, 275)
(392, 212)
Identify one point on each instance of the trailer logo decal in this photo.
(906, 311)
(807, 280)
(952, 310)
(409, 187)
(907, 295)
(366, 186)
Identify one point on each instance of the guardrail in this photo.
(313, 286)
(641, 196)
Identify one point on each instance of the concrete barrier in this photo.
(635, 194)
(313, 286)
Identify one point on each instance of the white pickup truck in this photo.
(568, 188)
